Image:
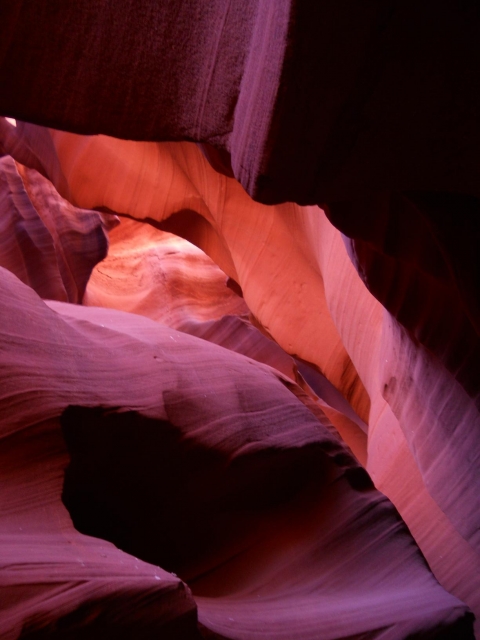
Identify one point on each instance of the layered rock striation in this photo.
(210, 410)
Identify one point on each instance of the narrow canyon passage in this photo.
(239, 320)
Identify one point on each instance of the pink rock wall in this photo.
(214, 436)
(211, 467)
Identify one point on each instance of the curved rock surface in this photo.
(161, 276)
(265, 505)
(367, 308)
(327, 317)
(49, 244)
(213, 212)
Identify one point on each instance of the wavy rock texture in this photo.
(415, 255)
(375, 343)
(92, 169)
(54, 581)
(47, 243)
(146, 265)
(322, 329)
(259, 490)
(161, 276)
(367, 309)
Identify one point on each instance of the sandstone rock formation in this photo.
(196, 459)
(333, 316)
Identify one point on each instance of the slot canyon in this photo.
(239, 319)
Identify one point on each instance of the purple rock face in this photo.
(220, 411)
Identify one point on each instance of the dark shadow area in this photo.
(166, 498)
